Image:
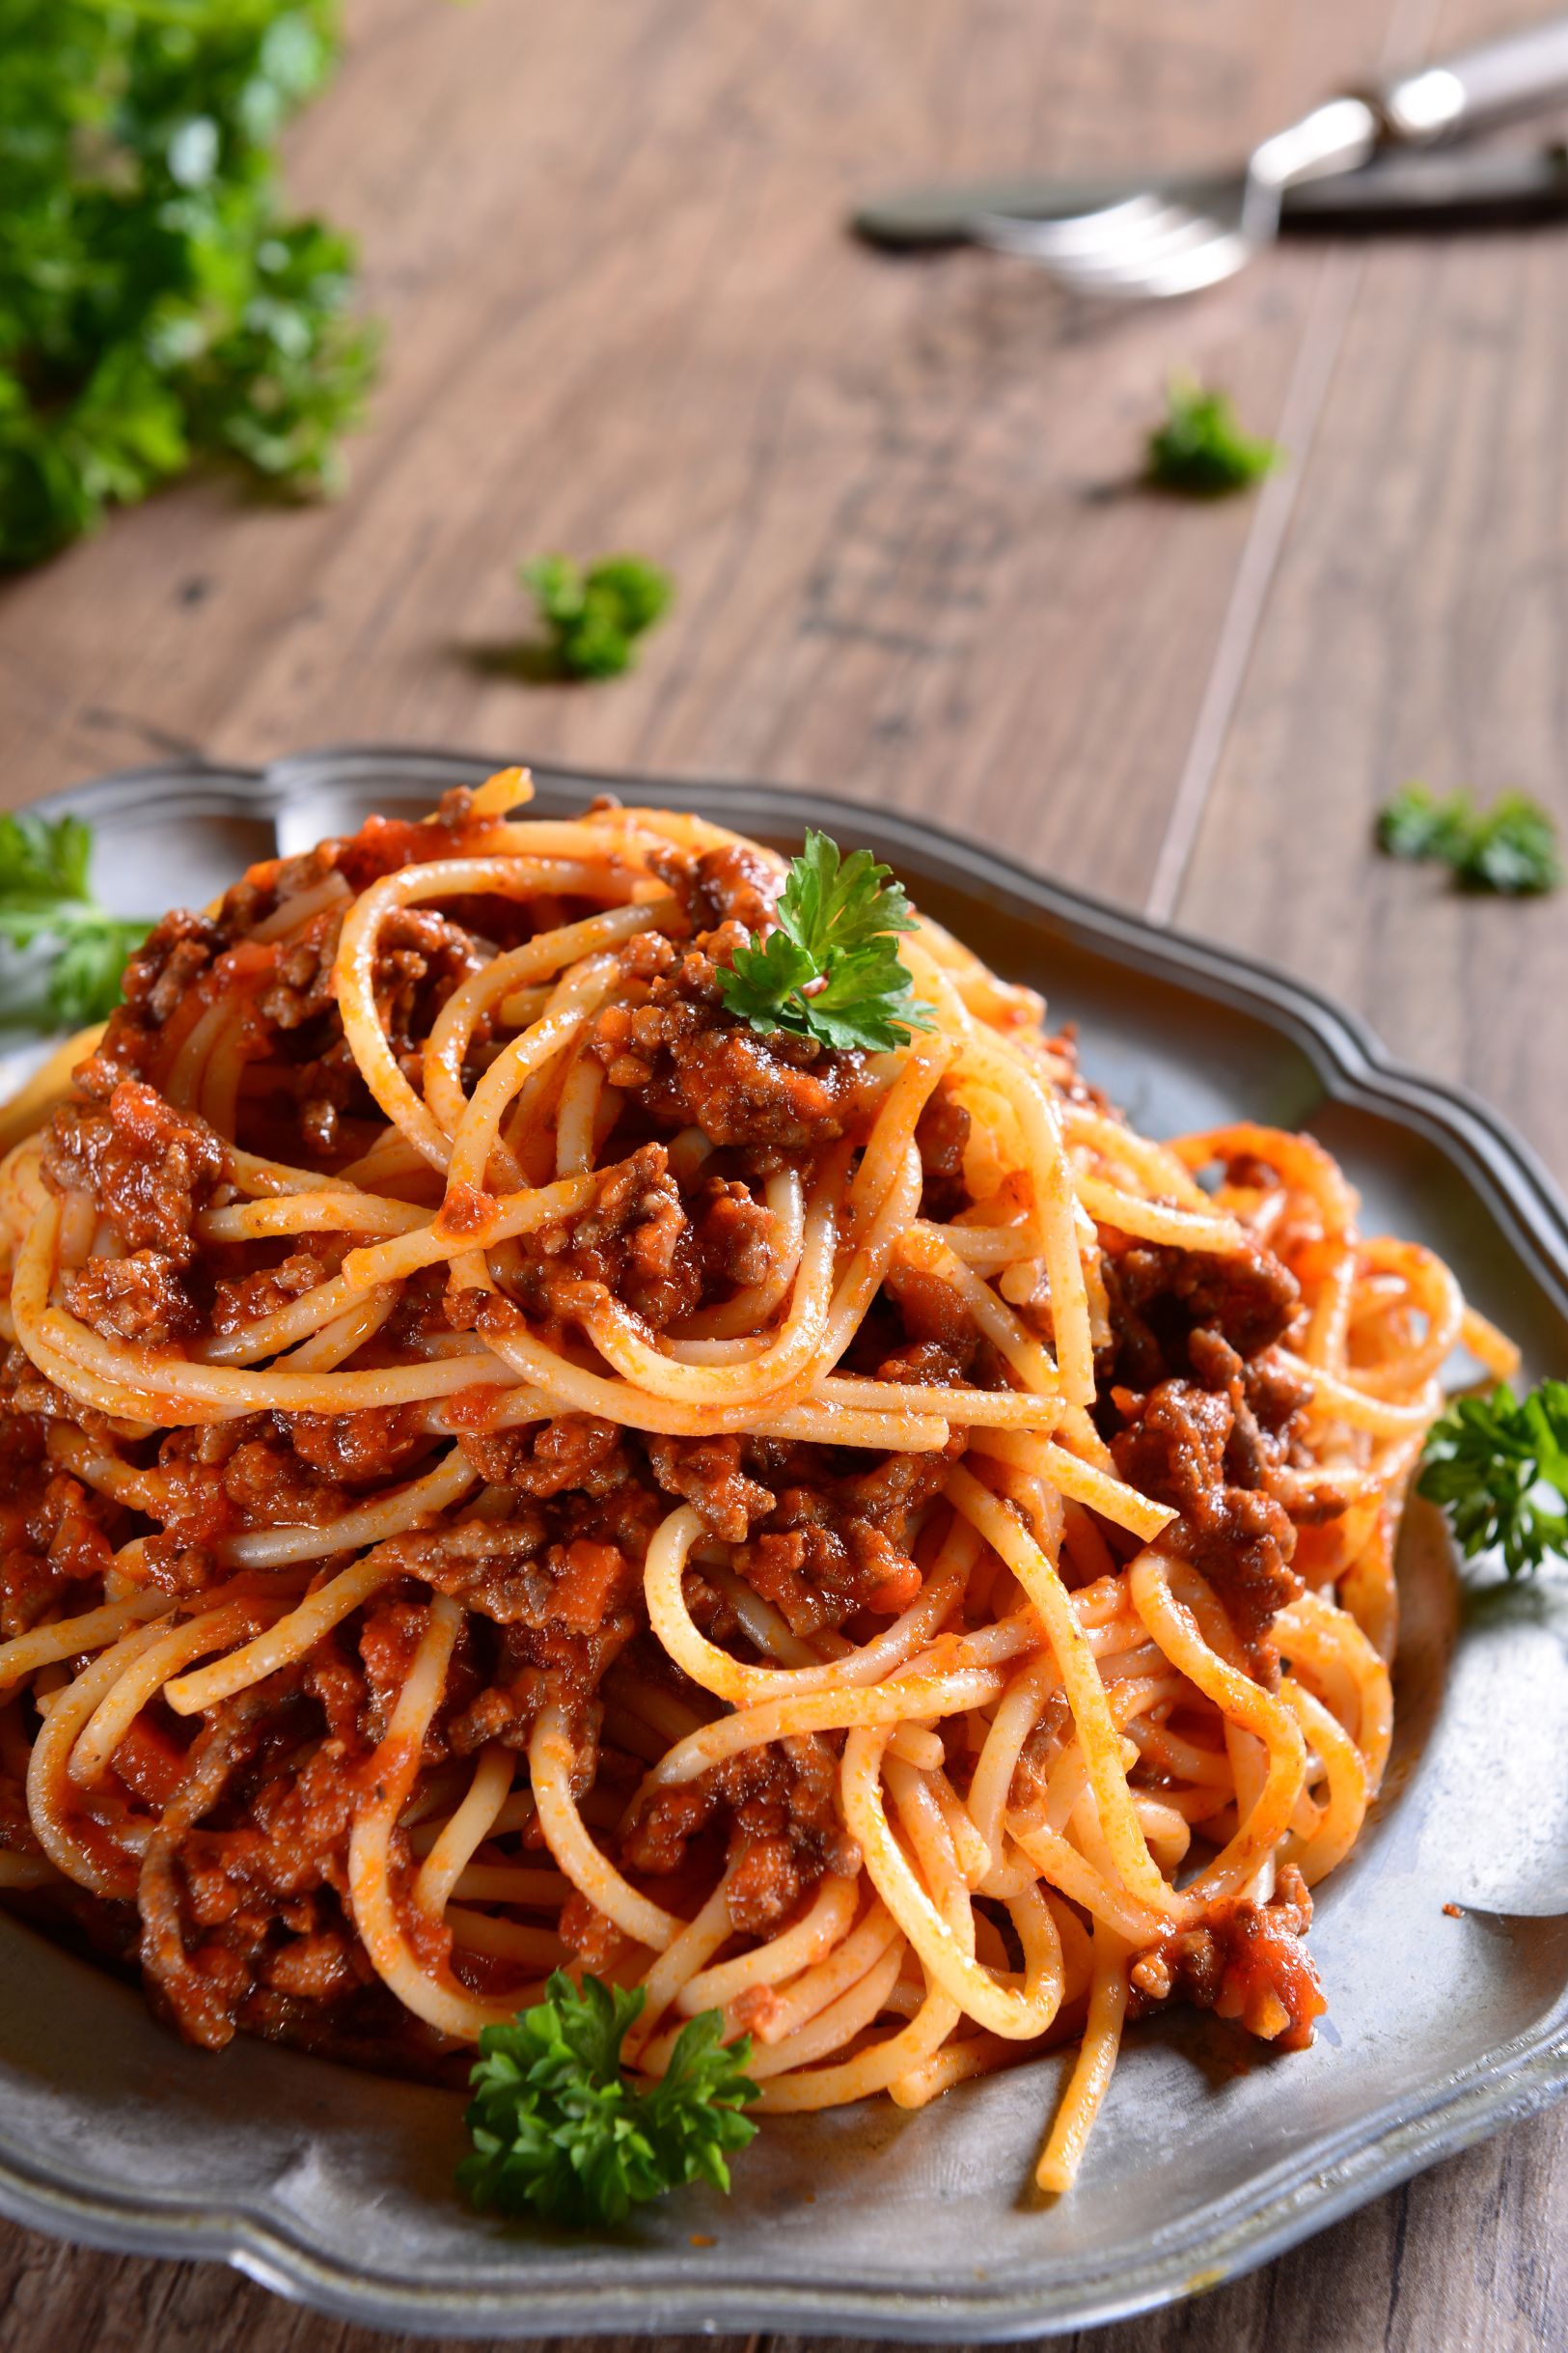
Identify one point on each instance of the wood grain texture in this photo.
(608, 243)
(1415, 628)
(606, 237)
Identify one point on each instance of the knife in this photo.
(1475, 188)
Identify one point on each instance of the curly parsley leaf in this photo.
(693, 2112)
(594, 616)
(1498, 1466)
(558, 2129)
(1511, 847)
(1201, 450)
(156, 306)
(832, 970)
(45, 898)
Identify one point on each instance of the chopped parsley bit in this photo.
(1498, 1466)
(832, 970)
(1418, 824)
(1201, 450)
(593, 617)
(1511, 847)
(156, 306)
(45, 896)
(558, 2129)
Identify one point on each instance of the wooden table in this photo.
(607, 237)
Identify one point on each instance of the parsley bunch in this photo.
(1201, 450)
(556, 2127)
(1511, 847)
(593, 617)
(156, 306)
(1498, 1466)
(832, 970)
(45, 896)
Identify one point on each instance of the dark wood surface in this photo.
(897, 495)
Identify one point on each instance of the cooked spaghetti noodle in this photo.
(508, 1466)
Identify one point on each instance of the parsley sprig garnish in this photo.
(558, 2129)
(1511, 847)
(1201, 450)
(157, 303)
(1498, 1466)
(45, 896)
(594, 616)
(832, 970)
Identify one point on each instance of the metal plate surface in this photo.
(1209, 2157)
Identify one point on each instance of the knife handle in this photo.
(1522, 73)
(1483, 188)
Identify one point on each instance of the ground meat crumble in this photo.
(1247, 1963)
(1201, 1415)
(673, 1050)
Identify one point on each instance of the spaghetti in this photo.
(508, 1466)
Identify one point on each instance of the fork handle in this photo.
(1522, 73)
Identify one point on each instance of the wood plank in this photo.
(1416, 629)
(608, 241)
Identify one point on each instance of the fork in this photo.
(1151, 245)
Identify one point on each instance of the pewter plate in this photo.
(336, 2188)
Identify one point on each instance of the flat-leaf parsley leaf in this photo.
(832, 970)
(1498, 1466)
(45, 897)
(558, 2129)
(1201, 450)
(156, 306)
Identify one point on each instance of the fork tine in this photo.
(1130, 241)
(1149, 248)
(1144, 245)
(1078, 233)
(1186, 272)
(1207, 265)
